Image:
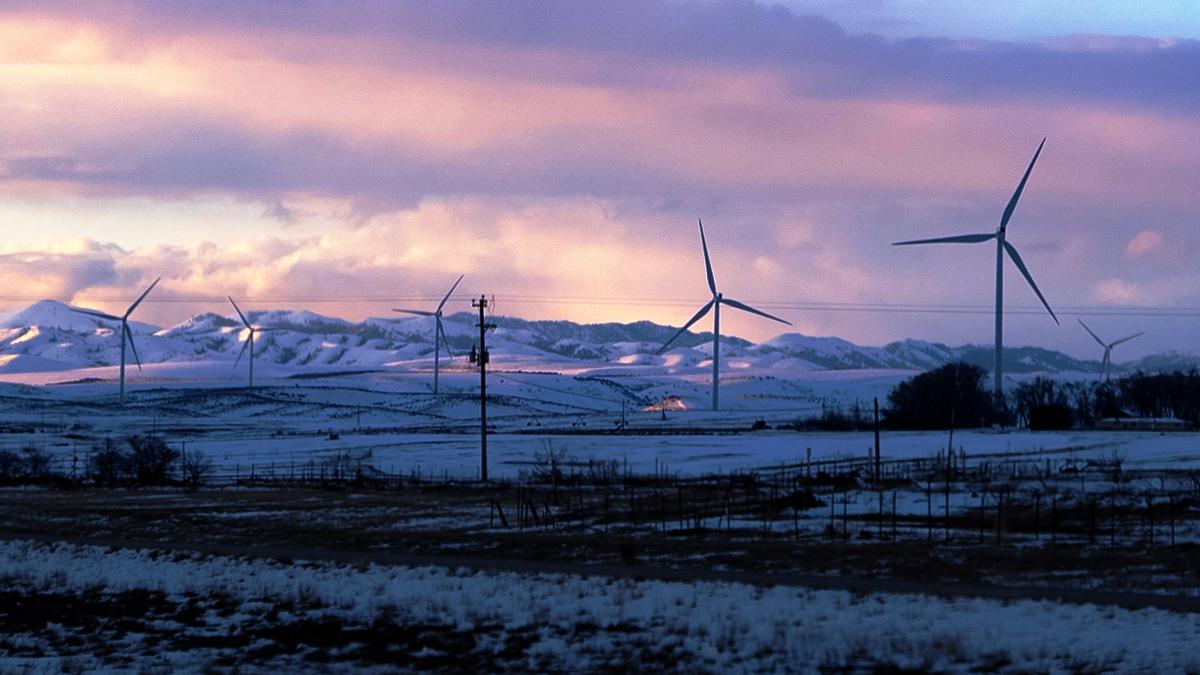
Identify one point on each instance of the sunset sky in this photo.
(352, 156)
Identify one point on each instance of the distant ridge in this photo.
(46, 336)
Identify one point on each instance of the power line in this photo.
(777, 304)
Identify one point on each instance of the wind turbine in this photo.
(1002, 247)
(249, 343)
(439, 335)
(126, 334)
(1106, 364)
(718, 299)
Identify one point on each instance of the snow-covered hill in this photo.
(48, 336)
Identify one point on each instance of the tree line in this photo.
(135, 461)
(955, 396)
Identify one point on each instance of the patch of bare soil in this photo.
(455, 523)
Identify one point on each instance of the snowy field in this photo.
(390, 419)
(141, 610)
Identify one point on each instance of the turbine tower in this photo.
(249, 343)
(718, 299)
(1002, 247)
(1106, 364)
(439, 335)
(126, 334)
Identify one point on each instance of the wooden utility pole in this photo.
(481, 358)
(878, 461)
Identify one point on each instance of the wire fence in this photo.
(949, 497)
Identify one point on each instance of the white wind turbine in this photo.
(439, 335)
(249, 343)
(718, 299)
(126, 334)
(1106, 364)
(1002, 247)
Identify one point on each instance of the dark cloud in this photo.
(188, 156)
(825, 59)
(60, 274)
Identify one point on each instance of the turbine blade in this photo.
(1092, 333)
(747, 308)
(98, 315)
(956, 239)
(712, 283)
(1125, 340)
(418, 312)
(1012, 203)
(449, 293)
(142, 297)
(1016, 258)
(132, 346)
(442, 334)
(696, 317)
(245, 346)
(237, 309)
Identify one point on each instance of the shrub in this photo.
(150, 459)
(11, 466)
(194, 466)
(1052, 417)
(948, 396)
(37, 462)
(1042, 405)
(108, 465)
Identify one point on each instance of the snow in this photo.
(703, 625)
(52, 331)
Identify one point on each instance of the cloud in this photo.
(732, 101)
(284, 214)
(1146, 241)
(1119, 292)
(824, 58)
(574, 259)
(568, 151)
(58, 269)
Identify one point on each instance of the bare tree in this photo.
(194, 466)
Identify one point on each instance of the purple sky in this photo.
(342, 156)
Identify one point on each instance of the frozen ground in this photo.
(80, 608)
(391, 419)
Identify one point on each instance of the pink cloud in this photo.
(1119, 292)
(555, 155)
(1146, 241)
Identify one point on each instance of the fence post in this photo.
(1037, 515)
(1054, 517)
(893, 515)
(982, 516)
(1112, 532)
(1171, 502)
(880, 508)
(1092, 519)
(929, 510)
(845, 516)
(1150, 516)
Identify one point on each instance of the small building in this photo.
(1143, 424)
(671, 403)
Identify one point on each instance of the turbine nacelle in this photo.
(1003, 247)
(1106, 361)
(126, 332)
(248, 343)
(439, 336)
(718, 299)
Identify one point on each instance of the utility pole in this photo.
(878, 461)
(481, 357)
